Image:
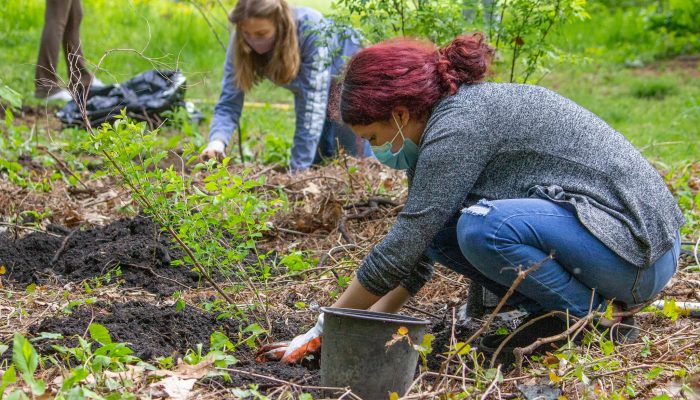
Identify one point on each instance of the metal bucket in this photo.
(354, 351)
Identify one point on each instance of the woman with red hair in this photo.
(502, 176)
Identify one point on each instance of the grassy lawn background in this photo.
(656, 106)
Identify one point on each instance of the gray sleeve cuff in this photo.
(380, 283)
(421, 275)
(367, 280)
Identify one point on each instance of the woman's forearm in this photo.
(356, 296)
(392, 301)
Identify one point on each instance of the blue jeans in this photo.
(490, 240)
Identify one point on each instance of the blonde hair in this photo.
(282, 67)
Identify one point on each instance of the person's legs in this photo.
(335, 134)
(445, 250)
(326, 144)
(78, 73)
(651, 280)
(353, 144)
(46, 79)
(498, 237)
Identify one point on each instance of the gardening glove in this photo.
(296, 350)
(215, 149)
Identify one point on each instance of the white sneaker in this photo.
(61, 95)
(96, 83)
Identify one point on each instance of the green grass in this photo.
(632, 34)
(171, 34)
(657, 109)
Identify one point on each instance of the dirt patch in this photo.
(149, 330)
(688, 64)
(135, 250)
(43, 116)
(298, 374)
(441, 343)
(159, 331)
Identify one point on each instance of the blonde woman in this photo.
(295, 48)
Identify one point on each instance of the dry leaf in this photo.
(172, 387)
(96, 219)
(187, 371)
(550, 359)
(311, 188)
(553, 377)
(180, 381)
(72, 219)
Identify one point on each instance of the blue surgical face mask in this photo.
(405, 158)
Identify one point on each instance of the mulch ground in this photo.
(333, 215)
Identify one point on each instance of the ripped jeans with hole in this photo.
(490, 240)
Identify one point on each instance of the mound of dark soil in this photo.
(152, 331)
(149, 330)
(290, 373)
(135, 246)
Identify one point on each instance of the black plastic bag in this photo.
(146, 97)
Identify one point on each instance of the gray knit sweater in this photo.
(503, 141)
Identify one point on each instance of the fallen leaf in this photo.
(695, 382)
(72, 219)
(180, 381)
(187, 371)
(96, 219)
(553, 377)
(311, 188)
(133, 373)
(550, 359)
(172, 388)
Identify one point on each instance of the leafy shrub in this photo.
(216, 220)
(518, 29)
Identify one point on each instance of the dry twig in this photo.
(520, 277)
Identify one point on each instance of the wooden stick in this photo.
(493, 383)
(282, 381)
(521, 276)
(64, 167)
(63, 246)
(29, 228)
(325, 256)
(520, 352)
